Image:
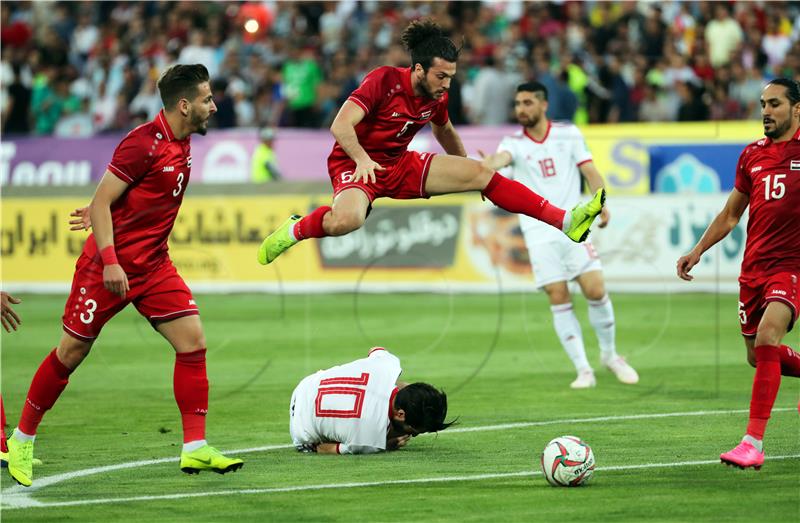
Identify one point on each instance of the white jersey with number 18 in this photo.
(549, 168)
(347, 404)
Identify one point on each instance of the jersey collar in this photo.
(391, 403)
(161, 121)
(546, 134)
(407, 83)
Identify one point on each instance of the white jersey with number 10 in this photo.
(347, 404)
(549, 168)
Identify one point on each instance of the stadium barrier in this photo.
(446, 244)
(634, 158)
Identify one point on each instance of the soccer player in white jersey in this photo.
(550, 158)
(361, 408)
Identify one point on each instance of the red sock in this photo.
(47, 385)
(790, 362)
(515, 197)
(190, 385)
(765, 388)
(310, 226)
(3, 446)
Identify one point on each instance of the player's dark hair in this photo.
(792, 88)
(425, 40)
(425, 407)
(181, 81)
(535, 88)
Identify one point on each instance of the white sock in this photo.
(757, 443)
(194, 445)
(291, 230)
(567, 221)
(601, 316)
(21, 436)
(569, 332)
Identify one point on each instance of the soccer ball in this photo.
(567, 462)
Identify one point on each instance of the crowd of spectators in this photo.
(78, 68)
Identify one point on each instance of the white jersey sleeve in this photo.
(507, 145)
(347, 404)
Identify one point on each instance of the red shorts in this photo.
(402, 180)
(158, 295)
(754, 297)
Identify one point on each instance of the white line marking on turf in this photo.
(299, 488)
(17, 496)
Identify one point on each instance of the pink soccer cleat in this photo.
(743, 455)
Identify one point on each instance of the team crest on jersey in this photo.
(188, 161)
(794, 165)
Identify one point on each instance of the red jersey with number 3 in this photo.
(394, 114)
(769, 173)
(156, 166)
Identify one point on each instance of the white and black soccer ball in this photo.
(567, 461)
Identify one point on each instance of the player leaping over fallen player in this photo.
(370, 158)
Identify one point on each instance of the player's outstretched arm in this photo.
(448, 138)
(327, 448)
(108, 191)
(8, 315)
(497, 160)
(343, 129)
(719, 228)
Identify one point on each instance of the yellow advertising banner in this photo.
(215, 240)
(621, 155)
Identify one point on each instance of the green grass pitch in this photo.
(508, 383)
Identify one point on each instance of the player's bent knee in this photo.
(72, 351)
(342, 224)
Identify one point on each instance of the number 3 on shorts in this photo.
(742, 314)
(88, 316)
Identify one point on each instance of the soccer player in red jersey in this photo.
(125, 260)
(370, 158)
(768, 180)
(10, 320)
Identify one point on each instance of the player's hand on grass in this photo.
(115, 279)
(605, 216)
(82, 221)
(685, 264)
(366, 171)
(8, 316)
(398, 442)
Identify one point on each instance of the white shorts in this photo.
(561, 260)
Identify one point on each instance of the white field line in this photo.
(327, 486)
(17, 496)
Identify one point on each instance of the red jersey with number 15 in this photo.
(769, 173)
(156, 166)
(394, 114)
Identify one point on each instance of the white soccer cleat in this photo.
(624, 372)
(585, 380)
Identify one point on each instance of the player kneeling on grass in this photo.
(125, 260)
(361, 408)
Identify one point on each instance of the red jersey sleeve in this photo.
(368, 94)
(441, 116)
(132, 158)
(743, 183)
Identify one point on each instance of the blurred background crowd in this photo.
(82, 68)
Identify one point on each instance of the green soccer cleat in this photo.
(208, 458)
(583, 215)
(20, 461)
(277, 242)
